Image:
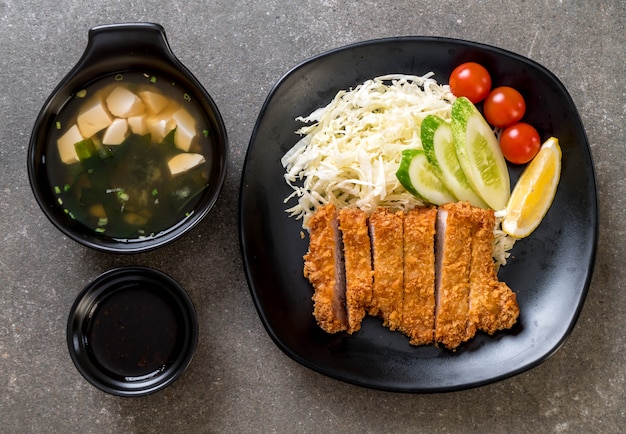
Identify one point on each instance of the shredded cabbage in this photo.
(350, 149)
(503, 243)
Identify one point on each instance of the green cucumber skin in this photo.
(440, 194)
(464, 112)
(403, 172)
(450, 173)
(429, 126)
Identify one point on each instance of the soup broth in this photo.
(129, 156)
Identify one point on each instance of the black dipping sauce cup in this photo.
(132, 331)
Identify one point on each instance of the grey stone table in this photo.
(239, 381)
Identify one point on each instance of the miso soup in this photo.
(129, 156)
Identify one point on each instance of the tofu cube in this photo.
(123, 103)
(160, 125)
(159, 128)
(184, 162)
(93, 119)
(185, 129)
(116, 133)
(67, 151)
(138, 125)
(154, 101)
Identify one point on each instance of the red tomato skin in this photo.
(470, 80)
(504, 106)
(520, 143)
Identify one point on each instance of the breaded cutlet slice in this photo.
(386, 232)
(493, 305)
(323, 266)
(358, 264)
(418, 310)
(452, 271)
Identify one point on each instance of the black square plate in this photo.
(550, 271)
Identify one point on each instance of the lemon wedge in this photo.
(534, 192)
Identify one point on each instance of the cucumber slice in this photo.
(479, 154)
(417, 175)
(438, 143)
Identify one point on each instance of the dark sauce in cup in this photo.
(134, 333)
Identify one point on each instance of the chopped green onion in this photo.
(58, 125)
(81, 93)
(57, 190)
(85, 149)
(119, 77)
(155, 192)
(103, 221)
(60, 201)
(100, 230)
(206, 133)
(153, 79)
(66, 187)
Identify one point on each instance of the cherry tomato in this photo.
(504, 106)
(470, 80)
(520, 143)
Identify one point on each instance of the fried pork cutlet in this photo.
(427, 272)
(452, 274)
(358, 265)
(323, 266)
(492, 304)
(386, 231)
(469, 295)
(418, 310)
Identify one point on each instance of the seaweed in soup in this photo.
(119, 169)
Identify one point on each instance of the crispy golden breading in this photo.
(453, 274)
(418, 311)
(358, 265)
(493, 305)
(428, 272)
(481, 302)
(386, 230)
(323, 266)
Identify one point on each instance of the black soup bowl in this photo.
(129, 152)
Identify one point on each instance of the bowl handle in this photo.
(118, 46)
